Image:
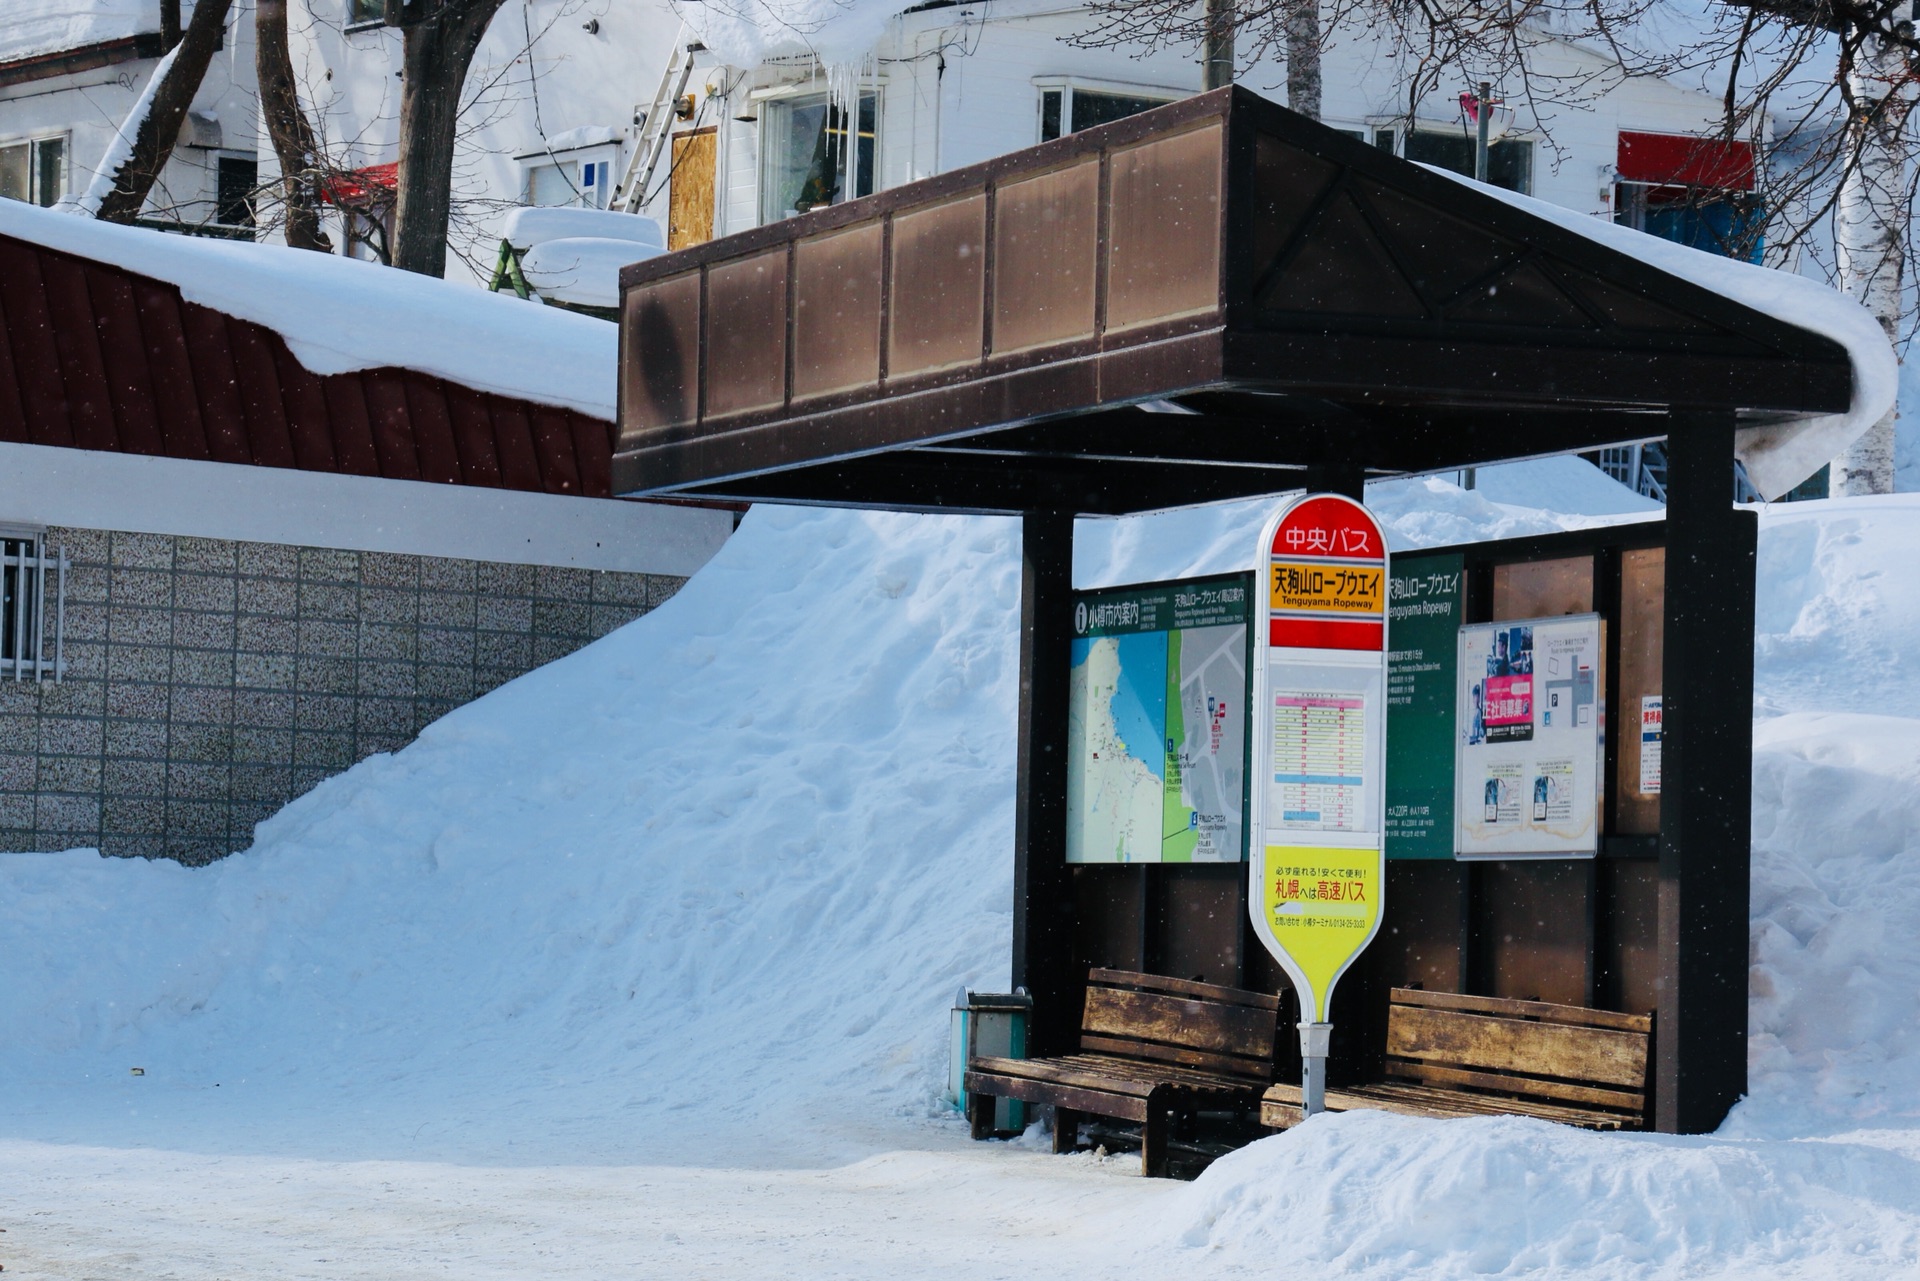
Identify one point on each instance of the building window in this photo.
(366, 13)
(33, 587)
(583, 183)
(807, 158)
(1066, 108)
(1509, 161)
(34, 171)
(238, 179)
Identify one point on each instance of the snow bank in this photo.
(30, 28)
(336, 313)
(745, 848)
(531, 225)
(1777, 457)
(582, 269)
(1370, 1194)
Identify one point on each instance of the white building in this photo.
(70, 70)
(561, 87)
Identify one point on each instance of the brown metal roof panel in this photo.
(36, 357)
(217, 379)
(473, 435)
(269, 434)
(309, 418)
(82, 371)
(183, 433)
(352, 426)
(513, 445)
(553, 446)
(387, 409)
(432, 430)
(124, 356)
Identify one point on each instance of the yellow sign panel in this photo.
(1322, 905)
(1302, 586)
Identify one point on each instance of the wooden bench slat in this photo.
(1157, 1071)
(1185, 987)
(1488, 1105)
(1540, 1049)
(1565, 1091)
(1572, 1015)
(1227, 1065)
(1100, 1102)
(1179, 1021)
(1280, 1107)
(1110, 1077)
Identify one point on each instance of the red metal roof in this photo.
(357, 186)
(97, 357)
(1670, 159)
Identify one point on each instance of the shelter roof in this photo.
(1188, 305)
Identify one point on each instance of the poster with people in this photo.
(1531, 750)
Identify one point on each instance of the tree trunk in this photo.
(287, 126)
(169, 25)
(1303, 57)
(1870, 234)
(1217, 58)
(157, 131)
(439, 49)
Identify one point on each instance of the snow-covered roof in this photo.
(1780, 456)
(338, 314)
(30, 28)
(581, 269)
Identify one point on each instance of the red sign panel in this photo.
(1327, 577)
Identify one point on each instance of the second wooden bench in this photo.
(1451, 1056)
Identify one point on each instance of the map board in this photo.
(1426, 600)
(1157, 723)
(1532, 716)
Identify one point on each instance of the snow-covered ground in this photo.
(638, 967)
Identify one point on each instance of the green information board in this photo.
(1425, 599)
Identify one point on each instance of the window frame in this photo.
(352, 23)
(602, 157)
(26, 596)
(1068, 85)
(36, 146)
(770, 107)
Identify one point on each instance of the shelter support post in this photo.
(1043, 919)
(1700, 1035)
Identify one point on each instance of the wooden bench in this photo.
(1450, 1056)
(1154, 1051)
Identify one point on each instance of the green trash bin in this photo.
(992, 1024)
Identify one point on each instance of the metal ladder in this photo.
(657, 125)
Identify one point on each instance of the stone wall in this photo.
(210, 682)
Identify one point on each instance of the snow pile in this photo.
(1780, 456)
(744, 848)
(739, 853)
(33, 28)
(1371, 1194)
(320, 303)
(582, 269)
(532, 225)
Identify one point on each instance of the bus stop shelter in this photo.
(1218, 300)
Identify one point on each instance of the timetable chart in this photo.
(1319, 761)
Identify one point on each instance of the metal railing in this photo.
(25, 597)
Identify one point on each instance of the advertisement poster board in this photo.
(1532, 717)
(1318, 800)
(1157, 723)
(1426, 599)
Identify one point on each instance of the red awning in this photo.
(1676, 160)
(375, 182)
